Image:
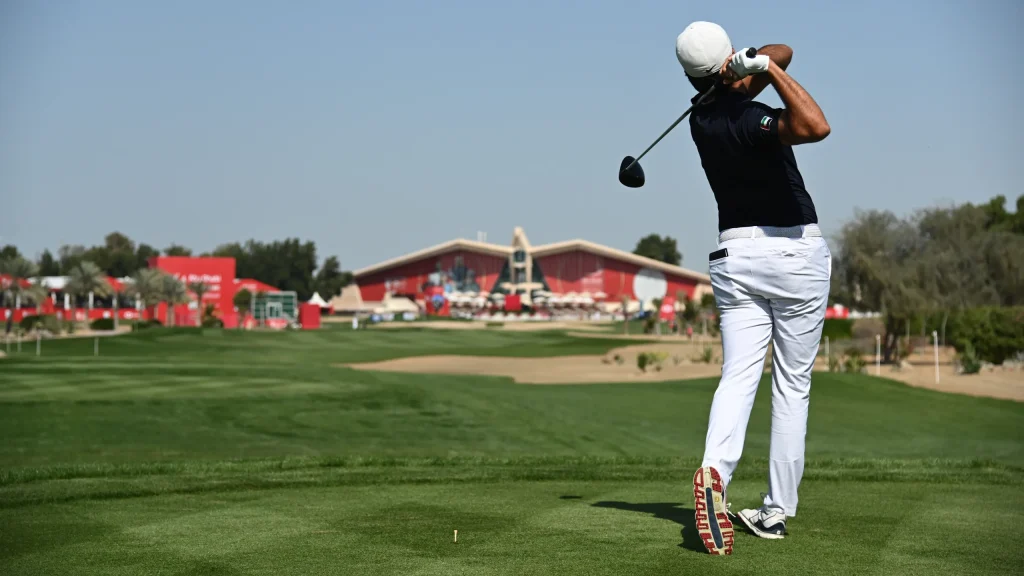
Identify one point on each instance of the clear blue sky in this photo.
(377, 128)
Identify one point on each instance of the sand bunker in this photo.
(681, 364)
(563, 369)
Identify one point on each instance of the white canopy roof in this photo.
(316, 299)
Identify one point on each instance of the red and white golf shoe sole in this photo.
(712, 516)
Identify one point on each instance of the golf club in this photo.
(631, 174)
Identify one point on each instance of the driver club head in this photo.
(634, 176)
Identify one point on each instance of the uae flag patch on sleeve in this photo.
(766, 123)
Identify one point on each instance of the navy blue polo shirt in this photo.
(754, 177)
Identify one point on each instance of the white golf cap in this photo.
(702, 48)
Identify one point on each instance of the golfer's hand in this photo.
(739, 65)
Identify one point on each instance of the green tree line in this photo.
(935, 263)
(289, 264)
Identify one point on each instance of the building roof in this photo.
(457, 244)
(536, 252)
(350, 300)
(591, 247)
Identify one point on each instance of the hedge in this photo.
(102, 324)
(837, 329)
(47, 322)
(996, 333)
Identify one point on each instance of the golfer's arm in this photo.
(780, 55)
(802, 121)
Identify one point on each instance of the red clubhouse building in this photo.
(474, 278)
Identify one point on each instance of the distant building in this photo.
(485, 274)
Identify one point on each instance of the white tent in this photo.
(316, 299)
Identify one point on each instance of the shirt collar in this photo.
(725, 96)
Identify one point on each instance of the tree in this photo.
(16, 285)
(288, 264)
(329, 279)
(147, 286)
(142, 255)
(70, 256)
(176, 250)
(9, 252)
(173, 292)
(243, 302)
(199, 289)
(86, 277)
(48, 265)
(655, 247)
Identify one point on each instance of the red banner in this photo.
(436, 303)
(513, 303)
(668, 308)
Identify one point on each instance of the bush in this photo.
(706, 355)
(212, 322)
(652, 359)
(495, 325)
(968, 360)
(994, 333)
(102, 324)
(854, 361)
(837, 329)
(46, 322)
(833, 363)
(145, 324)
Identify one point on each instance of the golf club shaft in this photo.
(751, 52)
(674, 124)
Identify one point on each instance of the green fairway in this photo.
(225, 452)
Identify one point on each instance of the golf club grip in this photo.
(751, 52)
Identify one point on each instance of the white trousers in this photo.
(768, 288)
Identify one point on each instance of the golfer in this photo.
(770, 274)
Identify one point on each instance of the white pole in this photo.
(39, 344)
(96, 346)
(935, 339)
(878, 354)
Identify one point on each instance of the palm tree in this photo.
(20, 270)
(86, 277)
(198, 288)
(173, 292)
(147, 286)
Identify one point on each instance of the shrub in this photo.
(833, 363)
(837, 329)
(495, 325)
(652, 359)
(968, 359)
(145, 324)
(46, 322)
(995, 333)
(212, 322)
(706, 355)
(854, 361)
(102, 324)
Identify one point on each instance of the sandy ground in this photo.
(516, 325)
(681, 364)
(563, 369)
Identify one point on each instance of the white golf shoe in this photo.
(765, 523)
